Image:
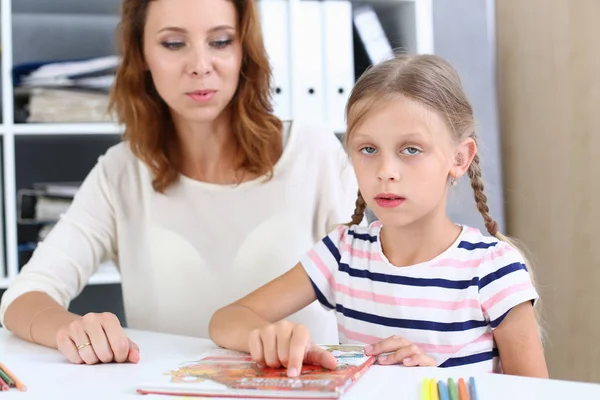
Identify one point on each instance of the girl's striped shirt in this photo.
(448, 306)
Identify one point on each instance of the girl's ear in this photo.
(463, 156)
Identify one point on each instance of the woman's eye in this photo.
(173, 45)
(368, 150)
(411, 151)
(220, 44)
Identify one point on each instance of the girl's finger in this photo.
(388, 345)
(399, 355)
(421, 360)
(269, 343)
(256, 348)
(298, 345)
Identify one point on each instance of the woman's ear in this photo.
(463, 156)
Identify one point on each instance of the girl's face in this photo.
(403, 155)
(193, 52)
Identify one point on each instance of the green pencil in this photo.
(452, 389)
(6, 379)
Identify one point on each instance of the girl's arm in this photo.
(519, 344)
(231, 325)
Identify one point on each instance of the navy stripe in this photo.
(489, 278)
(335, 252)
(410, 323)
(472, 246)
(320, 296)
(472, 359)
(406, 280)
(494, 324)
(363, 236)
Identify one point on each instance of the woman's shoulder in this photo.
(118, 157)
(120, 164)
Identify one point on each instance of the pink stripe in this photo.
(373, 256)
(426, 347)
(406, 302)
(451, 349)
(445, 262)
(322, 267)
(504, 293)
(490, 256)
(359, 337)
(389, 300)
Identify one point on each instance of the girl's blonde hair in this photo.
(433, 82)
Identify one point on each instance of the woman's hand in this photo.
(96, 338)
(401, 352)
(285, 344)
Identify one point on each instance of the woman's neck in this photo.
(208, 151)
(419, 242)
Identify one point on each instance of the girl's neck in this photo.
(419, 242)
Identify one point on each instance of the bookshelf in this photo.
(408, 24)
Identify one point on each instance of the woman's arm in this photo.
(519, 344)
(37, 317)
(231, 326)
(34, 306)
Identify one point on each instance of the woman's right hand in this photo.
(96, 338)
(287, 344)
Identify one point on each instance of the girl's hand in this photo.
(96, 338)
(285, 344)
(402, 352)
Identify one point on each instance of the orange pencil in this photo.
(462, 390)
(12, 376)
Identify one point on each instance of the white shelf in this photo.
(3, 283)
(97, 128)
(107, 274)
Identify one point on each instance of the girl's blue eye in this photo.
(173, 45)
(220, 44)
(368, 150)
(411, 151)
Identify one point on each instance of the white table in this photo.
(49, 376)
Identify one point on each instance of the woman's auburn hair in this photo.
(146, 117)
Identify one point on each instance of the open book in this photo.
(225, 373)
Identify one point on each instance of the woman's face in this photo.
(193, 52)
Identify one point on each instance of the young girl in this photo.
(415, 287)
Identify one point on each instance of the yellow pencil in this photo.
(425, 395)
(433, 390)
(14, 378)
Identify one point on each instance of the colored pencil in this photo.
(473, 388)
(3, 386)
(433, 390)
(443, 391)
(425, 390)
(6, 379)
(19, 385)
(462, 390)
(452, 392)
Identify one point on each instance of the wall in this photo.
(464, 35)
(548, 75)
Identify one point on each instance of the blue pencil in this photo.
(442, 390)
(472, 388)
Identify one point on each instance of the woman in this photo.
(209, 196)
